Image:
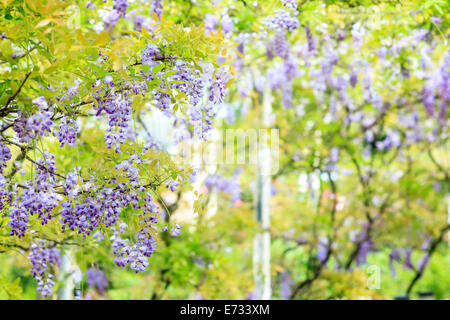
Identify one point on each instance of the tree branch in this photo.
(4, 111)
(430, 251)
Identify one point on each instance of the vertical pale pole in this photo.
(261, 252)
(66, 290)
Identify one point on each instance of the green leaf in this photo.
(158, 68)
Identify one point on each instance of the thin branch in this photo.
(3, 112)
(430, 251)
(45, 168)
(441, 169)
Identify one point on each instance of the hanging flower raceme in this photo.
(5, 155)
(96, 279)
(43, 260)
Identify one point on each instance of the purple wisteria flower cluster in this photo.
(38, 197)
(157, 7)
(5, 155)
(281, 21)
(229, 185)
(226, 23)
(43, 260)
(111, 17)
(290, 3)
(136, 254)
(89, 204)
(96, 278)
